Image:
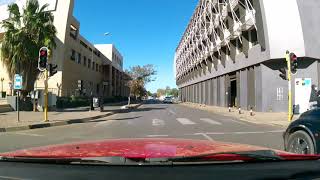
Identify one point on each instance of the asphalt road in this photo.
(151, 121)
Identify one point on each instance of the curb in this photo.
(243, 119)
(62, 123)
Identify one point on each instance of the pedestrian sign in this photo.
(17, 82)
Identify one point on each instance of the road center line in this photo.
(172, 112)
(27, 134)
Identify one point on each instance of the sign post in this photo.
(18, 86)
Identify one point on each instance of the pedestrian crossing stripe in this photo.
(185, 121)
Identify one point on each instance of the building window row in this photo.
(90, 64)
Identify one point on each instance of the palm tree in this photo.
(25, 33)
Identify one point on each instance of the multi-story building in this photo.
(118, 79)
(232, 50)
(83, 68)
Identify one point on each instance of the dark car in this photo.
(302, 135)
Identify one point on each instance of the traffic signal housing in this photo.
(43, 59)
(294, 63)
(283, 74)
(52, 69)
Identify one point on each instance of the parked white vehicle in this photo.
(168, 100)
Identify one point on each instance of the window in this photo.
(73, 32)
(97, 67)
(84, 61)
(253, 37)
(83, 44)
(239, 46)
(89, 63)
(73, 54)
(93, 65)
(79, 58)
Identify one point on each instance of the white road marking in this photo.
(27, 134)
(185, 121)
(206, 136)
(172, 112)
(157, 135)
(235, 121)
(229, 133)
(157, 122)
(210, 121)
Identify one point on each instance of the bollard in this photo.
(229, 109)
(239, 110)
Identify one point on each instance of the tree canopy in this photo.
(140, 76)
(25, 33)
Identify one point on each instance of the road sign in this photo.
(105, 83)
(17, 82)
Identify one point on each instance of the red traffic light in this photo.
(43, 53)
(293, 57)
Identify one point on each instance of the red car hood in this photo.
(140, 148)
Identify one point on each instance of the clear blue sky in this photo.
(144, 31)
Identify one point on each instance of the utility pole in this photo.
(289, 86)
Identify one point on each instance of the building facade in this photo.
(83, 69)
(232, 51)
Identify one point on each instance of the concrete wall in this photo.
(112, 53)
(284, 28)
(309, 16)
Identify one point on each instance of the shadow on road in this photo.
(73, 110)
(129, 118)
(133, 110)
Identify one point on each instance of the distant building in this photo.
(232, 50)
(83, 68)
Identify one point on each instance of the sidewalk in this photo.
(268, 118)
(32, 120)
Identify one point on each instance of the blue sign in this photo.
(17, 82)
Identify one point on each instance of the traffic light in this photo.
(52, 69)
(43, 59)
(283, 74)
(294, 63)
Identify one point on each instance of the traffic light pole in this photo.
(46, 96)
(289, 87)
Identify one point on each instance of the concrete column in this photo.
(258, 87)
(238, 88)
(109, 71)
(227, 86)
(120, 85)
(222, 91)
(192, 89)
(251, 88)
(214, 92)
(218, 91)
(243, 96)
(113, 82)
(210, 92)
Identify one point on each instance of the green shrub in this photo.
(72, 102)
